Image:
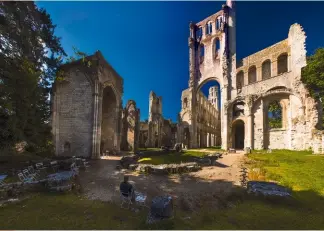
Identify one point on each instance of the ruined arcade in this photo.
(248, 89)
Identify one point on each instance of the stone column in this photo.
(224, 127)
(249, 127)
(262, 118)
(274, 68)
(259, 73)
(208, 137)
(96, 123)
(287, 122)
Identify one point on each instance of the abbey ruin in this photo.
(88, 117)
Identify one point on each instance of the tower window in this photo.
(217, 46)
(209, 28)
(219, 22)
(199, 32)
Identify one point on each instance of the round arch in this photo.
(204, 81)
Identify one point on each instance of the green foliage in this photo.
(313, 75)
(174, 157)
(275, 117)
(28, 65)
(77, 55)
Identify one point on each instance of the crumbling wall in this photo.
(131, 127)
(74, 111)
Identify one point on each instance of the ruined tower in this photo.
(212, 56)
(155, 121)
(213, 96)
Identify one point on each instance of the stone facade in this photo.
(157, 131)
(86, 108)
(247, 89)
(88, 118)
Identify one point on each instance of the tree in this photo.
(275, 115)
(30, 54)
(313, 75)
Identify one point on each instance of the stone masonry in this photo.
(247, 89)
(87, 106)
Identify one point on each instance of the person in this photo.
(127, 189)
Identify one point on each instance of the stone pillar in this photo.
(224, 127)
(274, 68)
(96, 123)
(249, 127)
(262, 118)
(208, 139)
(259, 73)
(288, 122)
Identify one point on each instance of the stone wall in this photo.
(86, 110)
(74, 105)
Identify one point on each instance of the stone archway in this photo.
(238, 134)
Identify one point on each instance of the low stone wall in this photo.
(165, 168)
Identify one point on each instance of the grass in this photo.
(298, 170)
(174, 157)
(66, 211)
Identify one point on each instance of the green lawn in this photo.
(300, 171)
(175, 157)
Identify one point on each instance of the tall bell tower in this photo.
(212, 56)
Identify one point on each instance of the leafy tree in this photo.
(29, 57)
(275, 115)
(313, 75)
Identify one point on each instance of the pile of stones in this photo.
(208, 160)
(165, 168)
(161, 208)
(267, 189)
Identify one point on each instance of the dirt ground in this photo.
(101, 181)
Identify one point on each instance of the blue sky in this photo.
(147, 42)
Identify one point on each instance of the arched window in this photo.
(202, 53)
(219, 21)
(266, 69)
(199, 32)
(252, 75)
(217, 45)
(282, 62)
(239, 81)
(209, 28)
(275, 115)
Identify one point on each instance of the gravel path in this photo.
(101, 181)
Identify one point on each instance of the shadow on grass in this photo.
(199, 204)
